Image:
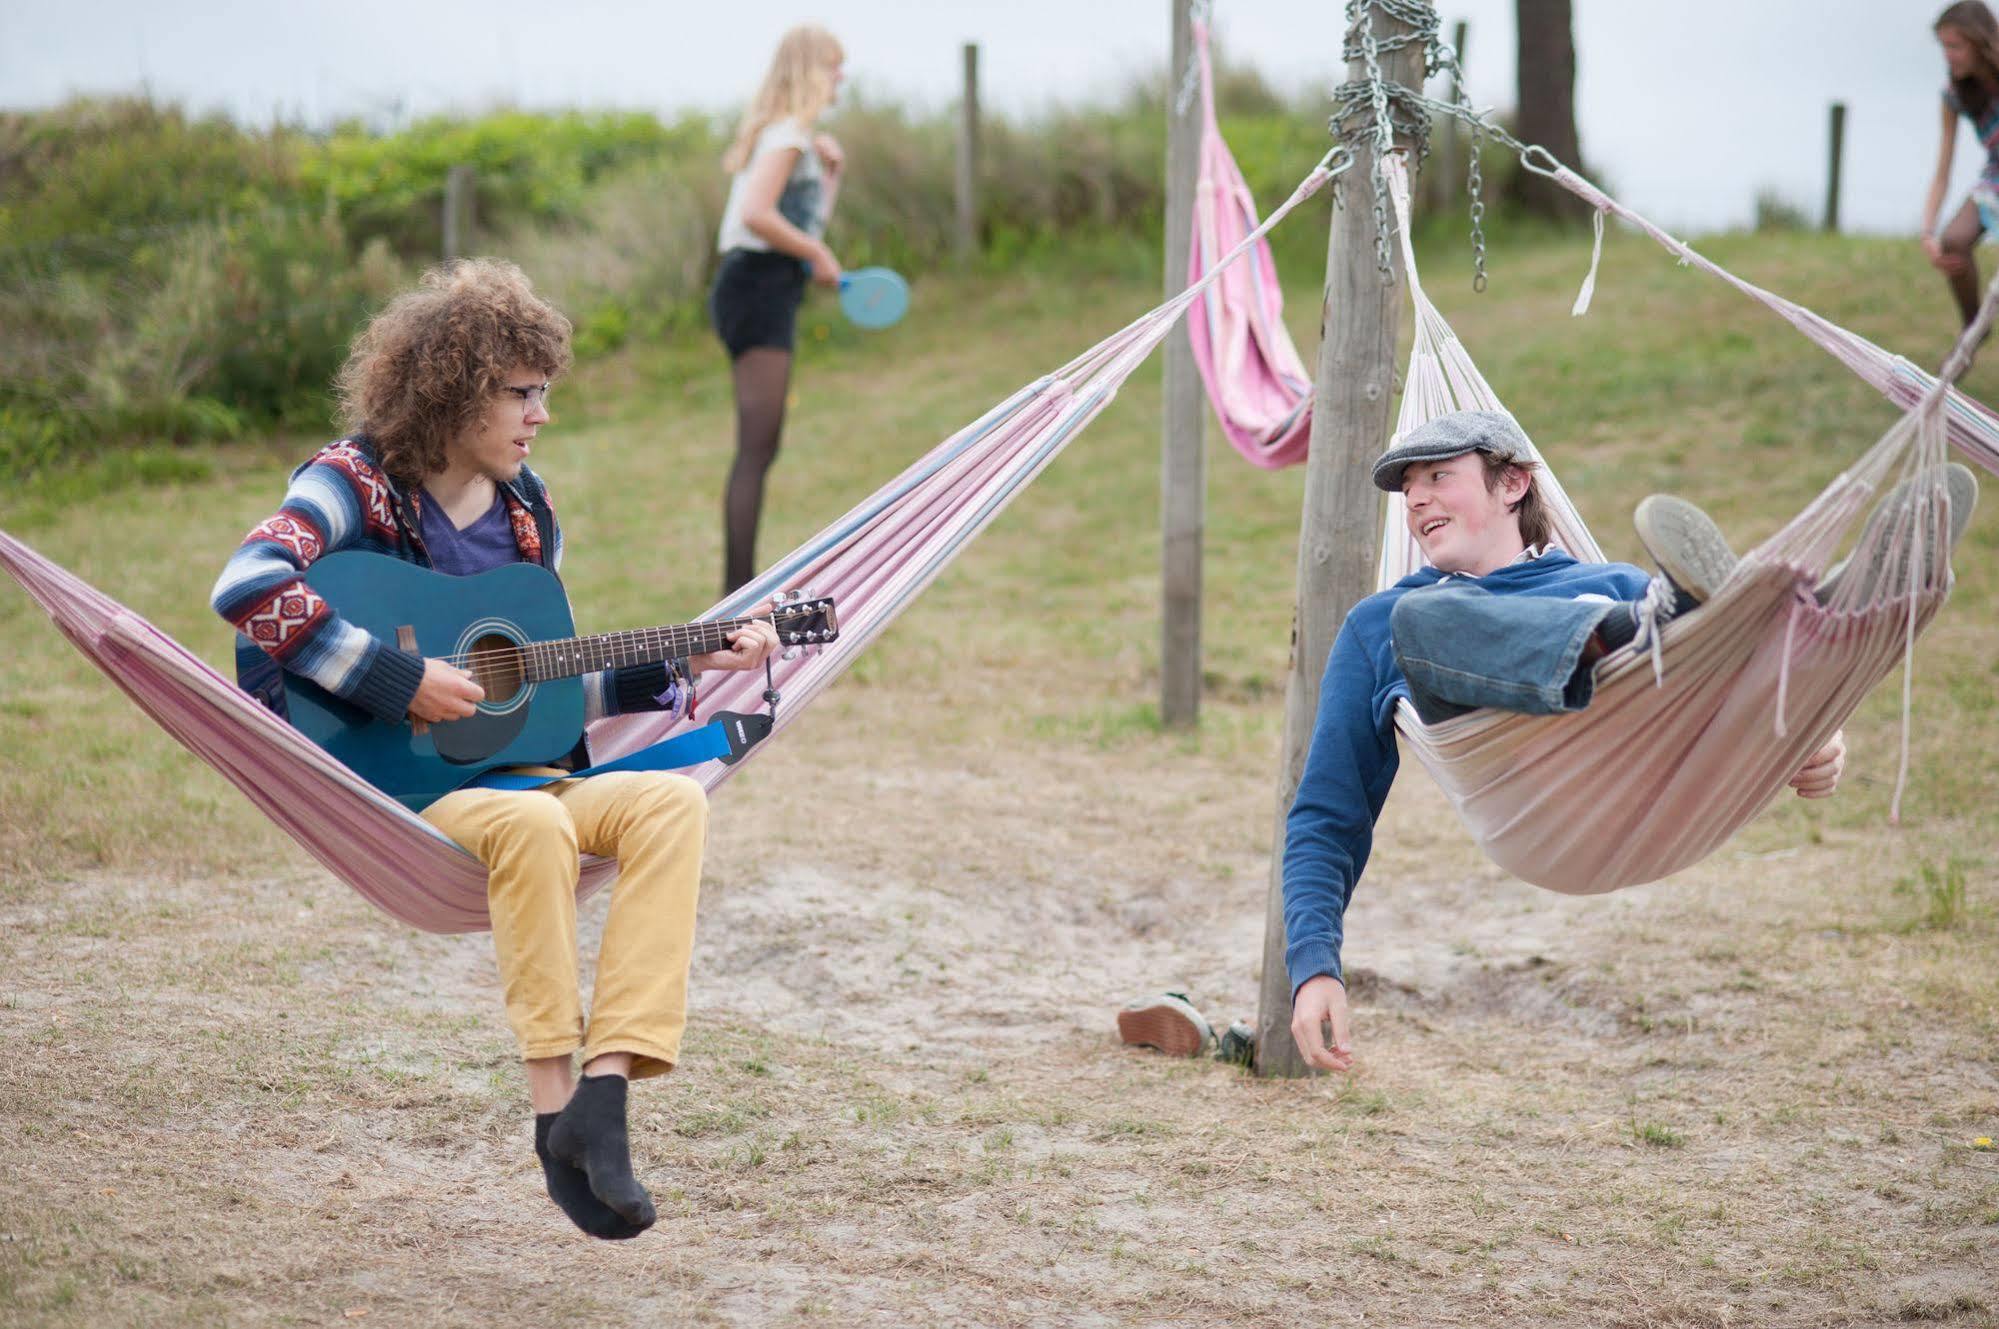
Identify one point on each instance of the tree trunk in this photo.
(1546, 102)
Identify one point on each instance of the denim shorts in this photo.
(755, 300)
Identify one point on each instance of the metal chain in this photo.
(1384, 141)
(1371, 107)
(1474, 187)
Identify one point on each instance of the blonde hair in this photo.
(798, 87)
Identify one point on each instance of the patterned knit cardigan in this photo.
(342, 499)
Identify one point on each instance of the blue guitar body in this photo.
(512, 630)
(454, 617)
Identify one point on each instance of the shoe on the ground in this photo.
(1881, 567)
(1238, 1045)
(1168, 1022)
(1688, 547)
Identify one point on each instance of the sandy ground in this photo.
(1747, 1096)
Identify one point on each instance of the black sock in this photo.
(1618, 627)
(590, 1134)
(569, 1187)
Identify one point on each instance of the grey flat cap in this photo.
(1490, 432)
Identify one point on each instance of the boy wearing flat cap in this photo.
(1497, 617)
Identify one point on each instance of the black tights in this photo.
(762, 376)
(1961, 238)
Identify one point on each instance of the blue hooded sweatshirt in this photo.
(1353, 758)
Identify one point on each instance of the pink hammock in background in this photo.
(1260, 389)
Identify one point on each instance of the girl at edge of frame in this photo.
(785, 180)
(1969, 35)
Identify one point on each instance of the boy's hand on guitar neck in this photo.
(446, 693)
(749, 647)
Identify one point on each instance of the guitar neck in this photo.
(613, 650)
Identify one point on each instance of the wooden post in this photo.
(968, 159)
(1838, 147)
(1183, 467)
(1341, 525)
(458, 208)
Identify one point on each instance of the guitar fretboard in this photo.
(614, 650)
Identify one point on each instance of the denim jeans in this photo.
(1461, 647)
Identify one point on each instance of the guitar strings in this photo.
(642, 636)
(646, 637)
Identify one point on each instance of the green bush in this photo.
(167, 279)
(93, 185)
(527, 168)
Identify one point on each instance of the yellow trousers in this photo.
(654, 824)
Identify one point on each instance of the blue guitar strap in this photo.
(725, 738)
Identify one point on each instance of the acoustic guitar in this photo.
(511, 629)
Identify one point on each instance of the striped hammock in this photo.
(875, 559)
(1261, 391)
(1683, 744)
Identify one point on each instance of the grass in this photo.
(1745, 1096)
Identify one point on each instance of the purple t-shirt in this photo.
(486, 544)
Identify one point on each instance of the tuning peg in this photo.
(793, 653)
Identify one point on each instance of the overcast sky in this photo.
(1687, 109)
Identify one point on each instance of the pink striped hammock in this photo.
(1253, 374)
(875, 559)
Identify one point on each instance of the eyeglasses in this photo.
(530, 396)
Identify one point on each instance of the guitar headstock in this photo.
(804, 620)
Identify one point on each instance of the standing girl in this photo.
(785, 180)
(1970, 39)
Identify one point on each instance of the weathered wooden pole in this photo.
(1183, 468)
(1341, 524)
(1837, 148)
(458, 209)
(968, 159)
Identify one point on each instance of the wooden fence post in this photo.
(968, 159)
(1340, 528)
(458, 211)
(1837, 147)
(1183, 461)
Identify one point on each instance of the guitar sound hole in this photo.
(496, 667)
